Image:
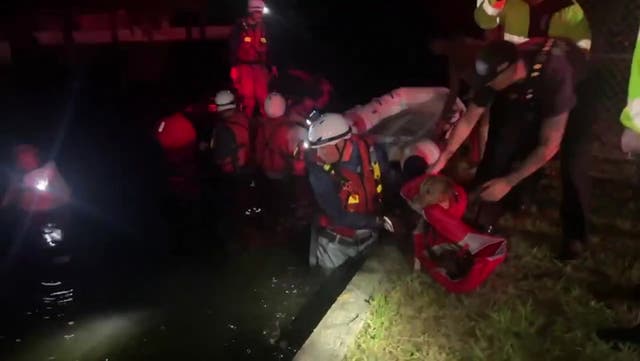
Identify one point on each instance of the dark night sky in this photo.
(364, 47)
(369, 46)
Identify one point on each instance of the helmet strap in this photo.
(341, 151)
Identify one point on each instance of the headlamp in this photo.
(312, 117)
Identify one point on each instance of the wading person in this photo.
(532, 91)
(229, 144)
(346, 175)
(280, 156)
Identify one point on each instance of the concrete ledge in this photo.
(334, 334)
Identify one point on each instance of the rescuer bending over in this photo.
(347, 175)
(532, 89)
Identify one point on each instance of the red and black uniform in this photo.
(230, 142)
(250, 63)
(350, 192)
(278, 148)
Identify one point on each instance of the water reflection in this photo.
(247, 299)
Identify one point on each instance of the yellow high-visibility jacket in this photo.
(631, 114)
(569, 22)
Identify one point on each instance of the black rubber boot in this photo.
(572, 250)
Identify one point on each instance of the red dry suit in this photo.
(447, 226)
(230, 141)
(360, 192)
(279, 150)
(250, 64)
(177, 136)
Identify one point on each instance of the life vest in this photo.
(253, 43)
(359, 192)
(630, 117)
(552, 18)
(230, 143)
(447, 227)
(272, 147)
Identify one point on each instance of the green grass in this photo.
(532, 308)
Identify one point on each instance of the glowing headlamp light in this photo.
(312, 117)
(42, 184)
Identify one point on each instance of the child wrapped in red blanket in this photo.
(449, 250)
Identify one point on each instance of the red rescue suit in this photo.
(278, 148)
(177, 136)
(359, 193)
(249, 71)
(230, 142)
(447, 226)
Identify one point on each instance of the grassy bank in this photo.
(532, 308)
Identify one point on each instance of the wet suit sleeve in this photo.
(326, 192)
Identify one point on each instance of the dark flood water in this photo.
(130, 272)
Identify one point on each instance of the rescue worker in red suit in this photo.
(251, 68)
(230, 143)
(177, 136)
(40, 198)
(279, 141)
(280, 155)
(346, 175)
(34, 187)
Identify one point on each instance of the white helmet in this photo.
(275, 105)
(225, 100)
(256, 6)
(426, 149)
(329, 129)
